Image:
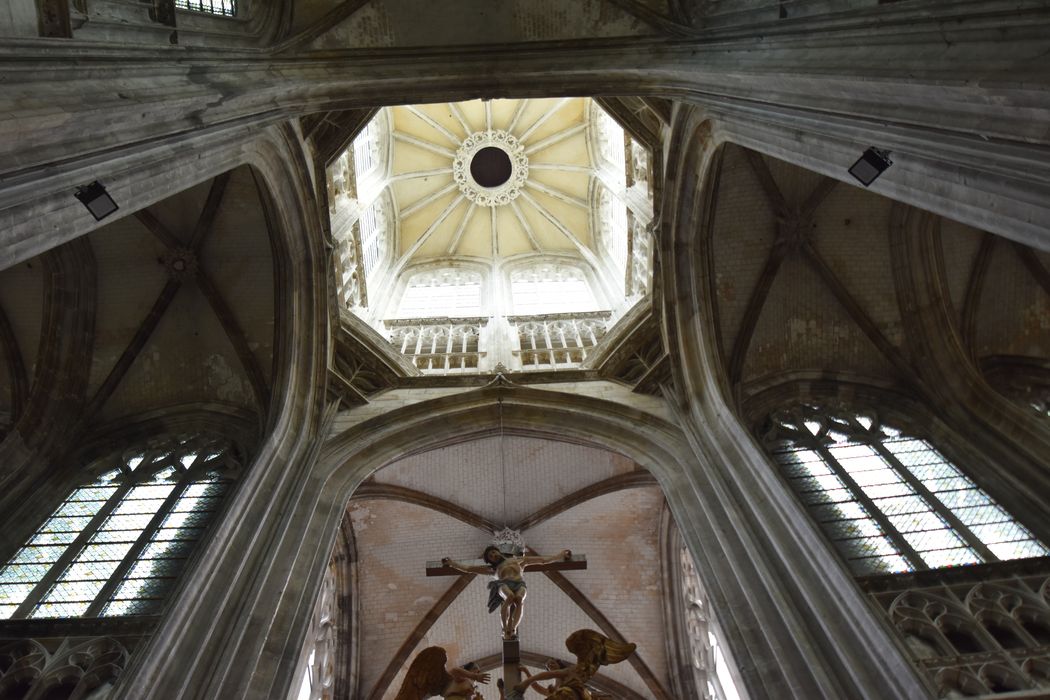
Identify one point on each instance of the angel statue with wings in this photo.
(427, 677)
(592, 650)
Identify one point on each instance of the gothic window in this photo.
(116, 545)
(712, 677)
(550, 289)
(641, 258)
(611, 141)
(373, 235)
(366, 149)
(446, 292)
(888, 500)
(224, 8)
(318, 681)
(612, 216)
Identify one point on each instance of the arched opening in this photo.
(628, 463)
(449, 501)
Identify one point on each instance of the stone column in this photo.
(797, 624)
(214, 641)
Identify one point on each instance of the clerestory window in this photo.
(223, 8)
(890, 501)
(550, 289)
(446, 292)
(116, 545)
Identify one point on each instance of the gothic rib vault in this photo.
(212, 303)
(450, 501)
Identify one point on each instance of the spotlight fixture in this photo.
(96, 199)
(870, 165)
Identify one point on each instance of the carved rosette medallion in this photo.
(490, 196)
(180, 263)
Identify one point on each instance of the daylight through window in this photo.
(116, 545)
(890, 502)
(550, 289)
(448, 292)
(225, 8)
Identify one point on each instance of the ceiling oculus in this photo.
(490, 168)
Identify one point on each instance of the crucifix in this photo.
(507, 591)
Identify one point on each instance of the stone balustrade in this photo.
(557, 341)
(973, 630)
(439, 345)
(464, 345)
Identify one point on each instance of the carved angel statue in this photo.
(428, 677)
(592, 650)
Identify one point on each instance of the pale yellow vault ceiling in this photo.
(549, 212)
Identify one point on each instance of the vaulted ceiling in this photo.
(449, 501)
(182, 312)
(390, 23)
(804, 281)
(548, 212)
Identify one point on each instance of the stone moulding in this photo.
(973, 630)
(490, 196)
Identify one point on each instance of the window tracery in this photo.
(361, 251)
(889, 501)
(223, 8)
(374, 236)
(713, 679)
(319, 675)
(613, 230)
(638, 172)
(450, 291)
(78, 668)
(610, 140)
(641, 245)
(969, 633)
(116, 544)
(550, 288)
(367, 148)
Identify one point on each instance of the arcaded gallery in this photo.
(514, 349)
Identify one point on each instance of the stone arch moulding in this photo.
(238, 424)
(830, 643)
(352, 456)
(206, 639)
(295, 560)
(984, 156)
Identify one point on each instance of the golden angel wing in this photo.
(591, 647)
(426, 676)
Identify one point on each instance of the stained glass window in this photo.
(116, 545)
(224, 8)
(889, 501)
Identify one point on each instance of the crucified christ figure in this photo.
(507, 587)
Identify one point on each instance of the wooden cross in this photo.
(511, 647)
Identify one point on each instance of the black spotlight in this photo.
(870, 165)
(96, 199)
